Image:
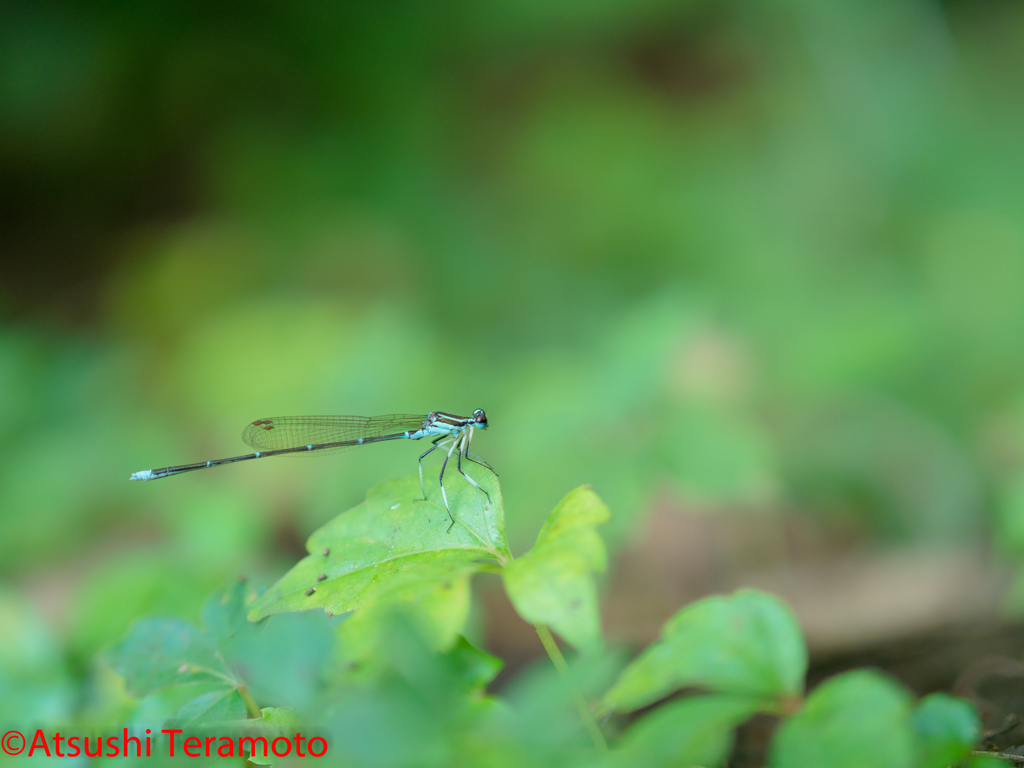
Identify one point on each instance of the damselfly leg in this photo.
(424, 455)
(469, 479)
(440, 480)
(462, 450)
(477, 460)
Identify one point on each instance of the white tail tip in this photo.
(146, 474)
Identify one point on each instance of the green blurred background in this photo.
(741, 255)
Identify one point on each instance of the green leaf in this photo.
(748, 643)
(552, 583)
(172, 657)
(854, 720)
(946, 727)
(434, 594)
(379, 540)
(197, 676)
(695, 731)
(158, 653)
(164, 704)
(284, 659)
(217, 706)
(224, 614)
(473, 668)
(275, 722)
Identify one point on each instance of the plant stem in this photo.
(563, 668)
(250, 703)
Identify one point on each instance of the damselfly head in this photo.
(480, 418)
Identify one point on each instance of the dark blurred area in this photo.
(754, 270)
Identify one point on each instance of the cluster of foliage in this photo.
(384, 675)
(765, 254)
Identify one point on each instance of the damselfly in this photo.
(310, 435)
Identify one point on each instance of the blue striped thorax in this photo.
(440, 423)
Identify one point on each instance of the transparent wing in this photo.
(297, 431)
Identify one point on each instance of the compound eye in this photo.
(478, 414)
